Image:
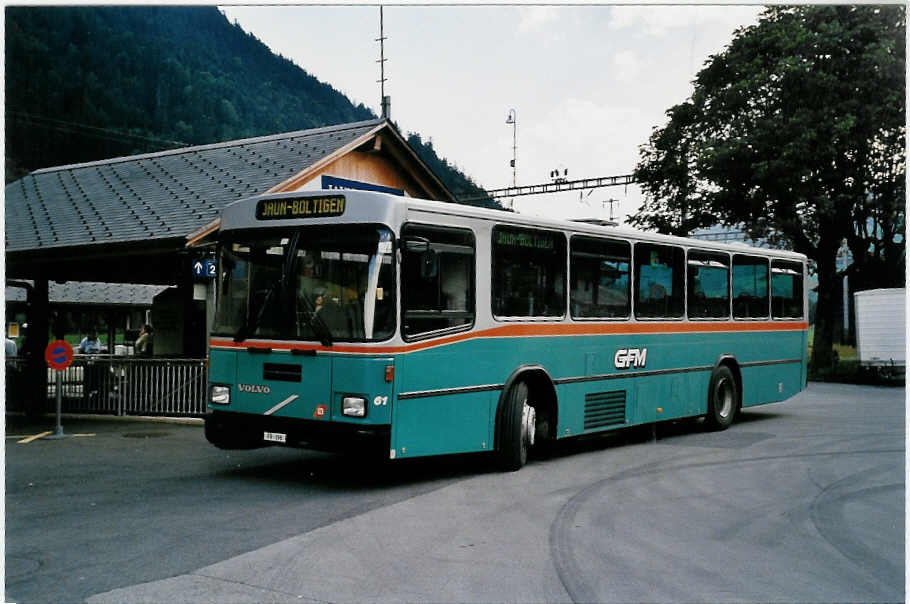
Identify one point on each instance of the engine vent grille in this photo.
(605, 409)
(281, 372)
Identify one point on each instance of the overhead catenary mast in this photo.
(610, 201)
(385, 101)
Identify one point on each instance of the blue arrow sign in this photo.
(205, 268)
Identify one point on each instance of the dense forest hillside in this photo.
(87, 83)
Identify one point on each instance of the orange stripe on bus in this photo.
(531, 330)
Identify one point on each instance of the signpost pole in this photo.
(58, 432)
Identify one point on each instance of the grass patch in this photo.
(843, 352)
(847, 368)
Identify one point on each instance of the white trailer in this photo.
(881, 325)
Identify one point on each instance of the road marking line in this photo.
(77, 435)
(25, 441)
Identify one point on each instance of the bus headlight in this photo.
(220, 395)
(354, 406)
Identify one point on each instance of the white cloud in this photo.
(659, 20)
(535, 18)
(626, 64)
(590, 138)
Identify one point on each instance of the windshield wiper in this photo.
(316, 323)
(242, 332)
(249, 326)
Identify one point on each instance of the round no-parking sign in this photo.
(58, 355)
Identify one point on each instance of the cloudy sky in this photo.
(588, 83)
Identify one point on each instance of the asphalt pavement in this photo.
(801, 501)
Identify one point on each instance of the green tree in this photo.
(796, 131)
(666, 174)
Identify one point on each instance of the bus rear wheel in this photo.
(516, 426)
(723, 400)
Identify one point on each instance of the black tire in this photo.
(515, 438)
(723, 399)
(544, 444)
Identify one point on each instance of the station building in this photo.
(116, 311)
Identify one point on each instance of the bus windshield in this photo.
(311, 283)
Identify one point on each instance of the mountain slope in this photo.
(86, 83)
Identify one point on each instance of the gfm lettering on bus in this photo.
(302, 207)
(630, 357)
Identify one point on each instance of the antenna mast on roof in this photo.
(384, 100)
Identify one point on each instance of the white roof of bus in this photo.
(501, 216)
(394, 202)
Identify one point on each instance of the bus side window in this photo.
(750, 287)
(659, 277)
(708, 285)
(599, 277)
(529, 273)
(786, 289)
(437, 283)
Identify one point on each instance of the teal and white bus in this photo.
(429, 328)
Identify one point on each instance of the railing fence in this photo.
(119, 385)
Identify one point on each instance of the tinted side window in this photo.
(750, 287)
(659, 274)
(786, 289)
(599, 276)
(437, 280)
(529, 273)
(709, 285)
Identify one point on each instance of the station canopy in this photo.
(127, 220)
(107, 295)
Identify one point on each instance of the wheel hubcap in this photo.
(723, 397)
(528, 422)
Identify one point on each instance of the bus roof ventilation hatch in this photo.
(597, 221)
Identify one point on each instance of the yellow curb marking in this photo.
(35, 437)
(27, 439)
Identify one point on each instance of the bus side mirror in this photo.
(429, 265)
(415, 245)
(429, 259)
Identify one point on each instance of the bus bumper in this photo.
(230, 430)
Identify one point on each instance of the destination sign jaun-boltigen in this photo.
(300, 207)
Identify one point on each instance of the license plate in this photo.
(274, 437)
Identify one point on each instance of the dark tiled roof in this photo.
(107, 294)
(158, 195)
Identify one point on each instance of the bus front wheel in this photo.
(516, 428)
(723, 400)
